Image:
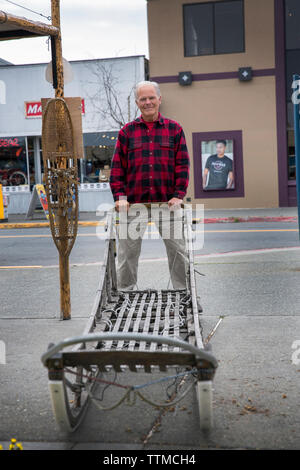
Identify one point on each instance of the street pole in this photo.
(296, 81)
(57, 43)
(59, 153)
(64, 271)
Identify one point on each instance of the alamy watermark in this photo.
(133, 223)
(2, 353)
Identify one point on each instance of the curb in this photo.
(250, 219)
(20, 225)
(94, 223)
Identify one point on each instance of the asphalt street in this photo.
(250, 281)
(34, 247)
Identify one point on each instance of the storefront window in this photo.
(292, 45)
(291, 155)
(98, 149)
(13, 161)
(292, 14)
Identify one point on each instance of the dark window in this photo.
(213, 28)
(292, 56)
(229, 27)
(198, 27)
(292, 15)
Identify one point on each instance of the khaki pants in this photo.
(130, 234)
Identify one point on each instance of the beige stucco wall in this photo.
(223, 105)
(165, 27)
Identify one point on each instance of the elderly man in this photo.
(150, 165)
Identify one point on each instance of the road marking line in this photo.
(230, 253)
(248, 252)
(21, 267)
(46, 235)
(147, 233)
(26, 225)
(252, 230)
(25, 236)
(51, 266)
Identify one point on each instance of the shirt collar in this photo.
(160, 120)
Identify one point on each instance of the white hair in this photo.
(143, 83)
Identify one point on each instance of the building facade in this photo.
(106, 87)
(225, 70)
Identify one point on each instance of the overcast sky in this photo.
(90, 29)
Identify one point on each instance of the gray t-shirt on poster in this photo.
(219, 168)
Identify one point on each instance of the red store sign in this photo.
(33, 109)
(11, 142)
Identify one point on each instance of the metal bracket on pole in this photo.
(54, 64)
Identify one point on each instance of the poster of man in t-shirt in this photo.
(218, 168)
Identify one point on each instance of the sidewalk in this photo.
(90, 219)
(256, 388)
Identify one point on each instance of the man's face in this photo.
(148, 102)
(220, 149)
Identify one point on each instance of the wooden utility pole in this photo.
(60, 167)
(60, 153)
(64, 270)
(56, 44)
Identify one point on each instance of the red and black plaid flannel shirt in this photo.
(150, 165)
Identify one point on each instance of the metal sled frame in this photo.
(146, 330)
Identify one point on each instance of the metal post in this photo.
(27, 161)
(129, 114)
(37, 160)
(296, 79)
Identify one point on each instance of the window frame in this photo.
(214, 28)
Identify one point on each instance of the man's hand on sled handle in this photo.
(122, 205)
(175, 203)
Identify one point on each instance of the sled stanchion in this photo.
(141, 331)
(204, 396)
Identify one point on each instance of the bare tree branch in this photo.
(107, 99)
